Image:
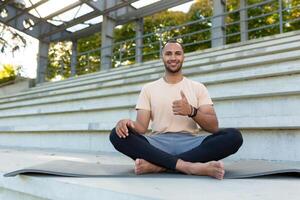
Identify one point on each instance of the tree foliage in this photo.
(87, 63)
(7, 73)
(262, 21)
(60, 60)
(10, 39)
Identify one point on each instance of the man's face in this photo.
(173, 57)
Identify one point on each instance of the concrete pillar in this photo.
(108, 26)
(243, 19)
(139, 40)
(74, 58)
(218, 23)
(42, 62)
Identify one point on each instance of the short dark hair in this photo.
(171, 41)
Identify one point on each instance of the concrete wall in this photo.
(16, 86)
(254, 85)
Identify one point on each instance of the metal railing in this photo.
(124, 52)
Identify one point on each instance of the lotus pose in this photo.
(177, 107)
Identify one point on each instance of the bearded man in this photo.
(176, 107)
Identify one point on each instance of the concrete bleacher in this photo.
(255, 87)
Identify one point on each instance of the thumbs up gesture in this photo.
(182, 106)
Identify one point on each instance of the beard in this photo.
(173, 70)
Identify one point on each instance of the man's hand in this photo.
(122, 127)
(182, 106)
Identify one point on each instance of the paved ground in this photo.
(270, 187)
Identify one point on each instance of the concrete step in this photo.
(136, 188)
(119, 98)
(268, 143)
(254, 88)
(192, 70)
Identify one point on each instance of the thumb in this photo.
(183, 97)
(131, 124)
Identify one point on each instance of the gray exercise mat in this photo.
(239, 169)
(76, 169)
(256, 168)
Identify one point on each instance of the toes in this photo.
(221, 164)
(137, 170)
(221, 174)
(138, 161)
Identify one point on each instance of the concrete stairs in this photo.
(134, 188)
(255, 86)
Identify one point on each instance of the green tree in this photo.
(124, 47)
(155, 29)
(7, 73)
(167, 24)
(60, 57)
(263, 19)
(159, 24)
(59, 60)
(89, 62)
(232, 21)
(200, 12)
(291, 15)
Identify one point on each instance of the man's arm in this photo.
(142, 121)
(206, 116)
(207, 119)
(140, 125)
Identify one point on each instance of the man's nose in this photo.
(172, 57)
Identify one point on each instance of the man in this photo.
(175, 105)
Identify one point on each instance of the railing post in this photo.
(74, 58)
(218, 23)
(243, 20)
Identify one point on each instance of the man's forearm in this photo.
(207, 121)
(139, 128)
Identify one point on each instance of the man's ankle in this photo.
(183, 166)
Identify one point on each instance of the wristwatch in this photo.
(194, 112)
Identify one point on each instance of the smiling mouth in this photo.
(173, 63)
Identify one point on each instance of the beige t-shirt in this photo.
(158, 97)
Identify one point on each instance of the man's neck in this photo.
(173, 79)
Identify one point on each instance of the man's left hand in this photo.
(182, 106)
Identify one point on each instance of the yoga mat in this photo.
(239, 169)
(256, 168)
(76, 169)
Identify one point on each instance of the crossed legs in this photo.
(202, 160)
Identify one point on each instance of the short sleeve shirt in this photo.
(158, 97)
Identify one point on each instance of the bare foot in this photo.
(143, 167)
(213, 168)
